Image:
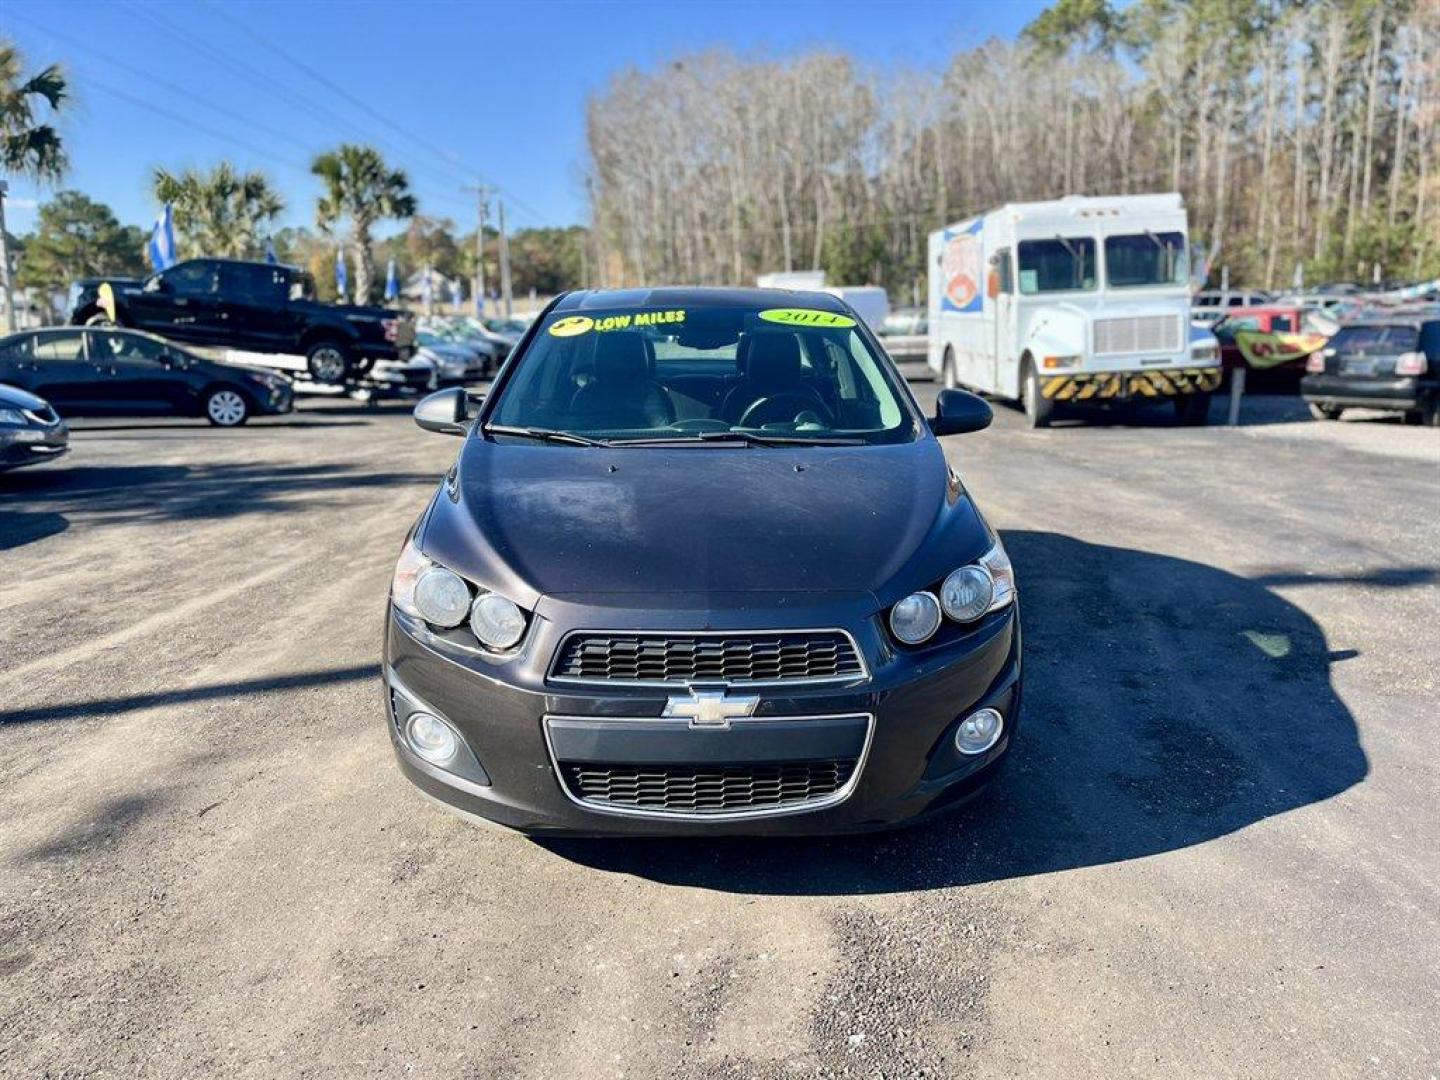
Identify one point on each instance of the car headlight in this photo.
(441, 597)
(915, 618)
(966, 593)
(496, 621)
(1002, 575)
(12, 416)
(1205, 354)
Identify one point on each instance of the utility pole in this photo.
(504, 262)
(482, 194)
(5, 265)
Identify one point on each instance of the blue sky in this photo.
(446, 90)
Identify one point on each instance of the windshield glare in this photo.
(1146, 259)
(700, 373)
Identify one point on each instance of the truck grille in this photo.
(810, 655)
(705, 789)
(1144, 333)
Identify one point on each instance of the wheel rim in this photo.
(226, 408)
(327, 363)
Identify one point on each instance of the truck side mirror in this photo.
(445, 412)
(959, 411)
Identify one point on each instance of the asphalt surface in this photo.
(1216, 851)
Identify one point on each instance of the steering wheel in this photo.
(806, 403)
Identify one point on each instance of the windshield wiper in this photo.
(544, 435)
(748, 438)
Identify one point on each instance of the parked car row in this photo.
(1379, 360)
(254, 307)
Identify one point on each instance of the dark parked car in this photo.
(1386, 361)
(108, 371)
(253, 307)
(701, 566)
(30, 430)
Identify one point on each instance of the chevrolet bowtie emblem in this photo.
(711, 708)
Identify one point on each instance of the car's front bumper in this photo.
(900, 720)
(32, 445)
(1110, 387)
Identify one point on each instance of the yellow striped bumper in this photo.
(1118, 385)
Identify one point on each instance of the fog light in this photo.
(431, 737)
(979, 731)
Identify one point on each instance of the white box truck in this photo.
(1079, 300)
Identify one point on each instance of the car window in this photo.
(1280, 323)
(1065, 264)
(251, 283)
(1375, 340)
(193, 278)
(61, 346)
(1146, 259)
(125, 348)
(1235, 301)
(19, 347)
(791, 373)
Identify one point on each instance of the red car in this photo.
(1268, 332)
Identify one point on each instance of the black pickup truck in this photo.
(251, 306)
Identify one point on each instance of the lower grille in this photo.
(704, 789)
(800, 655)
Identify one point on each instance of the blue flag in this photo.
(392, 284)
(342, 284)
(270, 256)
(161, 248)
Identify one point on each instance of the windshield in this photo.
(1375, 340)
(1064, 264)
(1146, 259)
(763, 374)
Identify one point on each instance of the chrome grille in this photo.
(1143, 333)
(705, 789)
(658, 658)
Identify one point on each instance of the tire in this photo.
(1193, 410)
(226, 407)
(328, 362)
(947, 371)
(1325, 412)
(1039, 410)
(1430, 414)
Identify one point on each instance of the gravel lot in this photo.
(1216, 852)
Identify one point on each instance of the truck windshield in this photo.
(1064, 264)
(720, 374)
(1146, 259)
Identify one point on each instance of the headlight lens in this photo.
(431, 737)
(407, 570)
(496, 621)
(915, 618)
(442, 597)
(1002, 576)
(967, 593)
(1204, 353)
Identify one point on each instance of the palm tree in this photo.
(361, 189)
(220, 213)
(27, 147)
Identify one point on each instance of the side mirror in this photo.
(445, 412)
(959, 411)
(155, 283)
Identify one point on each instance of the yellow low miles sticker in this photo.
(575, 325)
(806, 317)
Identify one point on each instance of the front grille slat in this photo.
(680, 658)
(702, 789)
(1132, 334)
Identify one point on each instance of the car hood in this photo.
(12, 397)
(532, 521)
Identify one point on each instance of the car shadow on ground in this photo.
(39, 502)
(1167, 703)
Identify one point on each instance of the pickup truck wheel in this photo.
(1325, 412)
(327, 363)
(225, 407)
(1039, 410)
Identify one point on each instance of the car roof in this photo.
(692, 296)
